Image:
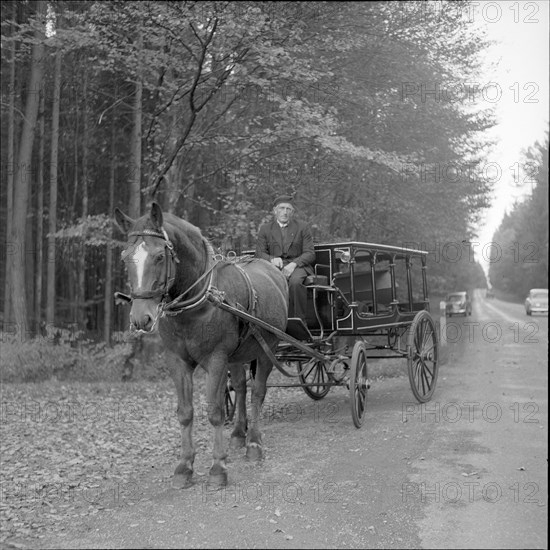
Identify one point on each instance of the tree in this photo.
(52, 210)
(22, 179)
(220, 105)
(522, 237)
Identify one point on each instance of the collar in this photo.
(282, 225)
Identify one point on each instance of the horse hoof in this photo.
(237, 442)
(217, 480)
(180, 481)
(254, 451)
(182, 477)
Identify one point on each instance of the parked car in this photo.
(458, 303)
(537, 301)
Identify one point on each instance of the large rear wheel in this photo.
(358, 384)
(422, 356)
(314, 372)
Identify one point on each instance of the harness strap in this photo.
(178, 305)
(251, 310)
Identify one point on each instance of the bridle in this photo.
(170, 261)
(178, 304)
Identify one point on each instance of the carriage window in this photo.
(400, 271)
(416, 279)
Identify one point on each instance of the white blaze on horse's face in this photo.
(139, 258)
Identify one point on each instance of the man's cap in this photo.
(283, 198)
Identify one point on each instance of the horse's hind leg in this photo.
(259, 389)
(183, 379)
(238, 381)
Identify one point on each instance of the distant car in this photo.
(537, 301)
(458, 303)
(489, 294)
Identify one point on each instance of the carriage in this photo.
(366, 301)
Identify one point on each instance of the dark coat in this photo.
(298, 248)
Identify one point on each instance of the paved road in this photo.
(491, 422)
(467, 470)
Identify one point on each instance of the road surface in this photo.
(467, 470)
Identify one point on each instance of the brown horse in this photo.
(172, 273)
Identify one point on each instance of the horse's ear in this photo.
(156, 215)
(123, 221)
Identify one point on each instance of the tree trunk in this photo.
(18, 234)
(30, 267)
(108, 302)
(40, 217)
(11, 168)
(52, 214)
(74, 290)
(82, 313)
(135, 163)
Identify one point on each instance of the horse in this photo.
(173, 274)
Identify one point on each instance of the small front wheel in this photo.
(358, 384)
(314, 375)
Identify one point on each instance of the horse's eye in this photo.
(159, 258)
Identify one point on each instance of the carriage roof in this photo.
(398, 251)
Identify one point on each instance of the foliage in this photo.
(61, 356)
(243, 100)
(91, 231)
(520, 259)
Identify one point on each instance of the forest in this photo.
(364, 111)
(521, 260)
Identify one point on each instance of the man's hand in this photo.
(289, 269)
(277, 262)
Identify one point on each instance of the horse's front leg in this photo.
(238, 381)
(259, 388)
(216, 382)
(183, 378)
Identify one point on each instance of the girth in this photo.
(246, 331)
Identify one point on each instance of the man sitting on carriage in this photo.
(288, 244)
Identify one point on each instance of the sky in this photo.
(518, 67)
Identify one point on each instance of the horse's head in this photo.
(151, 263)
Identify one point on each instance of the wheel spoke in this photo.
(422, 360)
(314, 379)
(358, 383)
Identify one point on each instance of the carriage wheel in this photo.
(314, 372)
(358, 384)
(229, 401)
(422, 356)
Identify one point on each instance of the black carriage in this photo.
(365, 301)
